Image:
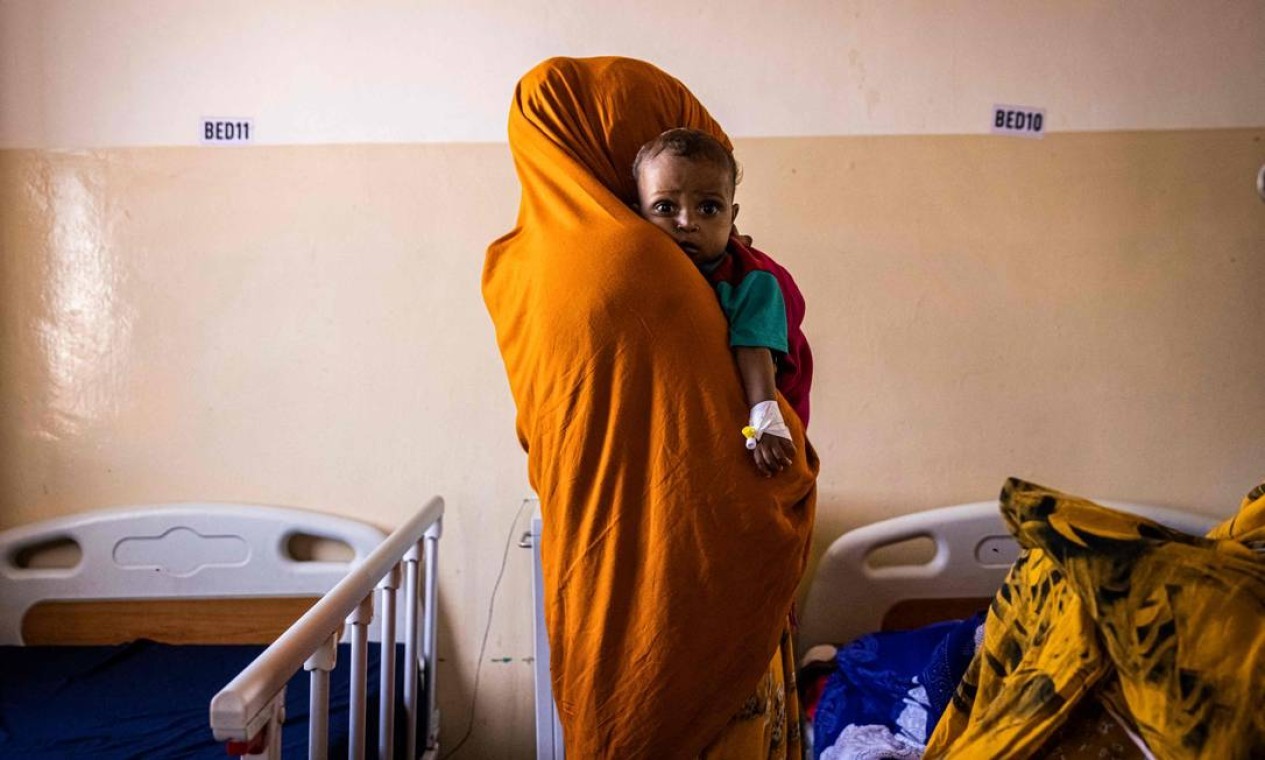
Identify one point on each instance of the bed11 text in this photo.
(226, 131)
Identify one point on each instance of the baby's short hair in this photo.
(688, 143)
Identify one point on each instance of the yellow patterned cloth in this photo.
(768, 723)
(1170, 626)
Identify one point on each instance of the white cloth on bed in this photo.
(913, 718)
(872, 742)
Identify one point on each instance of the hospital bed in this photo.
(852, 594)
(906, 597)
(121, 630)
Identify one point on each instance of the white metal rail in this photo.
(247, 713)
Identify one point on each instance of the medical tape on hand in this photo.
(766, 417)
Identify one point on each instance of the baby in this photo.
(685, 186)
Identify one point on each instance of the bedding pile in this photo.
(1162, 629)
(886, 690)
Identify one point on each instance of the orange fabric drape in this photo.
(669, 563)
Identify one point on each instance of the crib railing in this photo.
(247, 713)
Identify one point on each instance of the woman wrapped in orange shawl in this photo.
(669, 563)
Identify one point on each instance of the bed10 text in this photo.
(1018, 120)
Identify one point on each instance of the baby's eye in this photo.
(663, 207)
(709, 208)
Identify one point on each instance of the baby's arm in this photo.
(773, 453)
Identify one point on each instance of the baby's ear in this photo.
(735, 213)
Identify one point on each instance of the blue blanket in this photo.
(900, 680)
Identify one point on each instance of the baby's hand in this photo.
(773, 453)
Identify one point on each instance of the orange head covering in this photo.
(669, 563)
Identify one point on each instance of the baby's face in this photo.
(693, 201)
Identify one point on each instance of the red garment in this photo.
(794, 368)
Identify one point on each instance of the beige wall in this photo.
(301, 324)
(108, 73)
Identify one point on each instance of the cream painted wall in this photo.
(102, 73)
(301, 324)
(297, 326)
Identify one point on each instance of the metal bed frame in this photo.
(248, 712)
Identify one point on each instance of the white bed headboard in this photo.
(175, 551)
(849, 597)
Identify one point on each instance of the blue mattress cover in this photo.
(149, 700)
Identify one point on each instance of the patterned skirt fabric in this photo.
(767, 726)
(1170, 623)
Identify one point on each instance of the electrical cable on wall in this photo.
(487, 628)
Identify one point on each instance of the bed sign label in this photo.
(1020, 121)
(222, 131)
